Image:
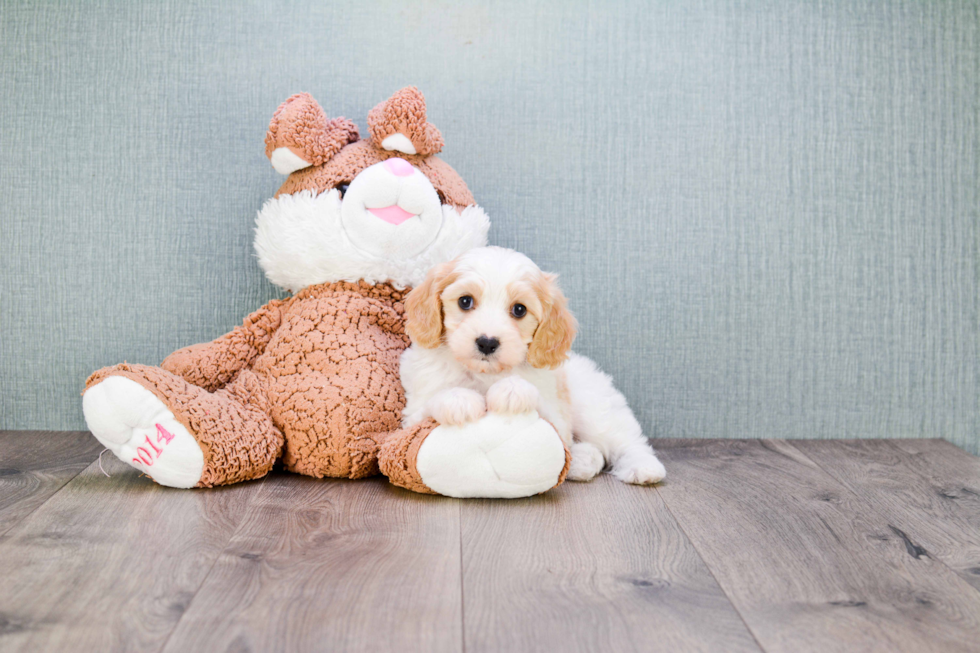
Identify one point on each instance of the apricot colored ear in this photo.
(300, 135)
(399, 124)
(423, 307)
(554, 335)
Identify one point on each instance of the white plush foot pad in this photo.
(131, 422)
(499, 457)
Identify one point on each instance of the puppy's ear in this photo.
(554, 335)
(423, 306)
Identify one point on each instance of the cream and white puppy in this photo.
(491, 331)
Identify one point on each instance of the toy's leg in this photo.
(498, 456)
(181, 435)
(334, 425)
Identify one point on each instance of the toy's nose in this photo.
(399, 167)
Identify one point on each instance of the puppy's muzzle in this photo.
(487, 345)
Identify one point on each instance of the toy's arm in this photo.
(211, 365)
(399, 453)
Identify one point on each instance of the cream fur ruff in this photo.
(300, 241)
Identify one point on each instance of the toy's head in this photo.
(382, 209)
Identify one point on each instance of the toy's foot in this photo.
(141, 431)
(499, 456)
(641, 467)
(587, 461)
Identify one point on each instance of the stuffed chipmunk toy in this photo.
(313, 380)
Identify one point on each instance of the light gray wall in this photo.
(765, 213)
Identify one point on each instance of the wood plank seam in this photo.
(462, 581)
(710, 570)
(901, 530)
(53, 494)
(350, 565)
(911, 547)
(909, 606)
(262, 483)
(588, 567)
(97, 547)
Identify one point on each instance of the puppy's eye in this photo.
(518, 310)
(342, 189)
(465, 302)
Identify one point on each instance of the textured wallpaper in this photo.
(766, 214)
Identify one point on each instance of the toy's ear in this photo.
(300, 135)
(554, 335)
(423, 306)
(399, 124)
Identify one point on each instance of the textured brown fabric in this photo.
(568, 460)
(322, 389)
(211, 365)
(363, 452)
(232, 425)
(343, 167)
(404, 112)
(399, 453)
(300, 124)
(331, 372)
(564, 470)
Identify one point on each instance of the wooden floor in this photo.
(749, 545)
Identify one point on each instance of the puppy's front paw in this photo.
(640, 469)
(512, 396)
(587, 461)
(457, 406)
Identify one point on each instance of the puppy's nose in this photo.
(487, 345)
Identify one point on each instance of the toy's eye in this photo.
(465, 302)
(342, 189)
(518, 310)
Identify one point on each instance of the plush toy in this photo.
(312, 380)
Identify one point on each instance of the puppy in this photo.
(491, 331)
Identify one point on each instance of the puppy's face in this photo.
(494, 309)
(490, 322)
